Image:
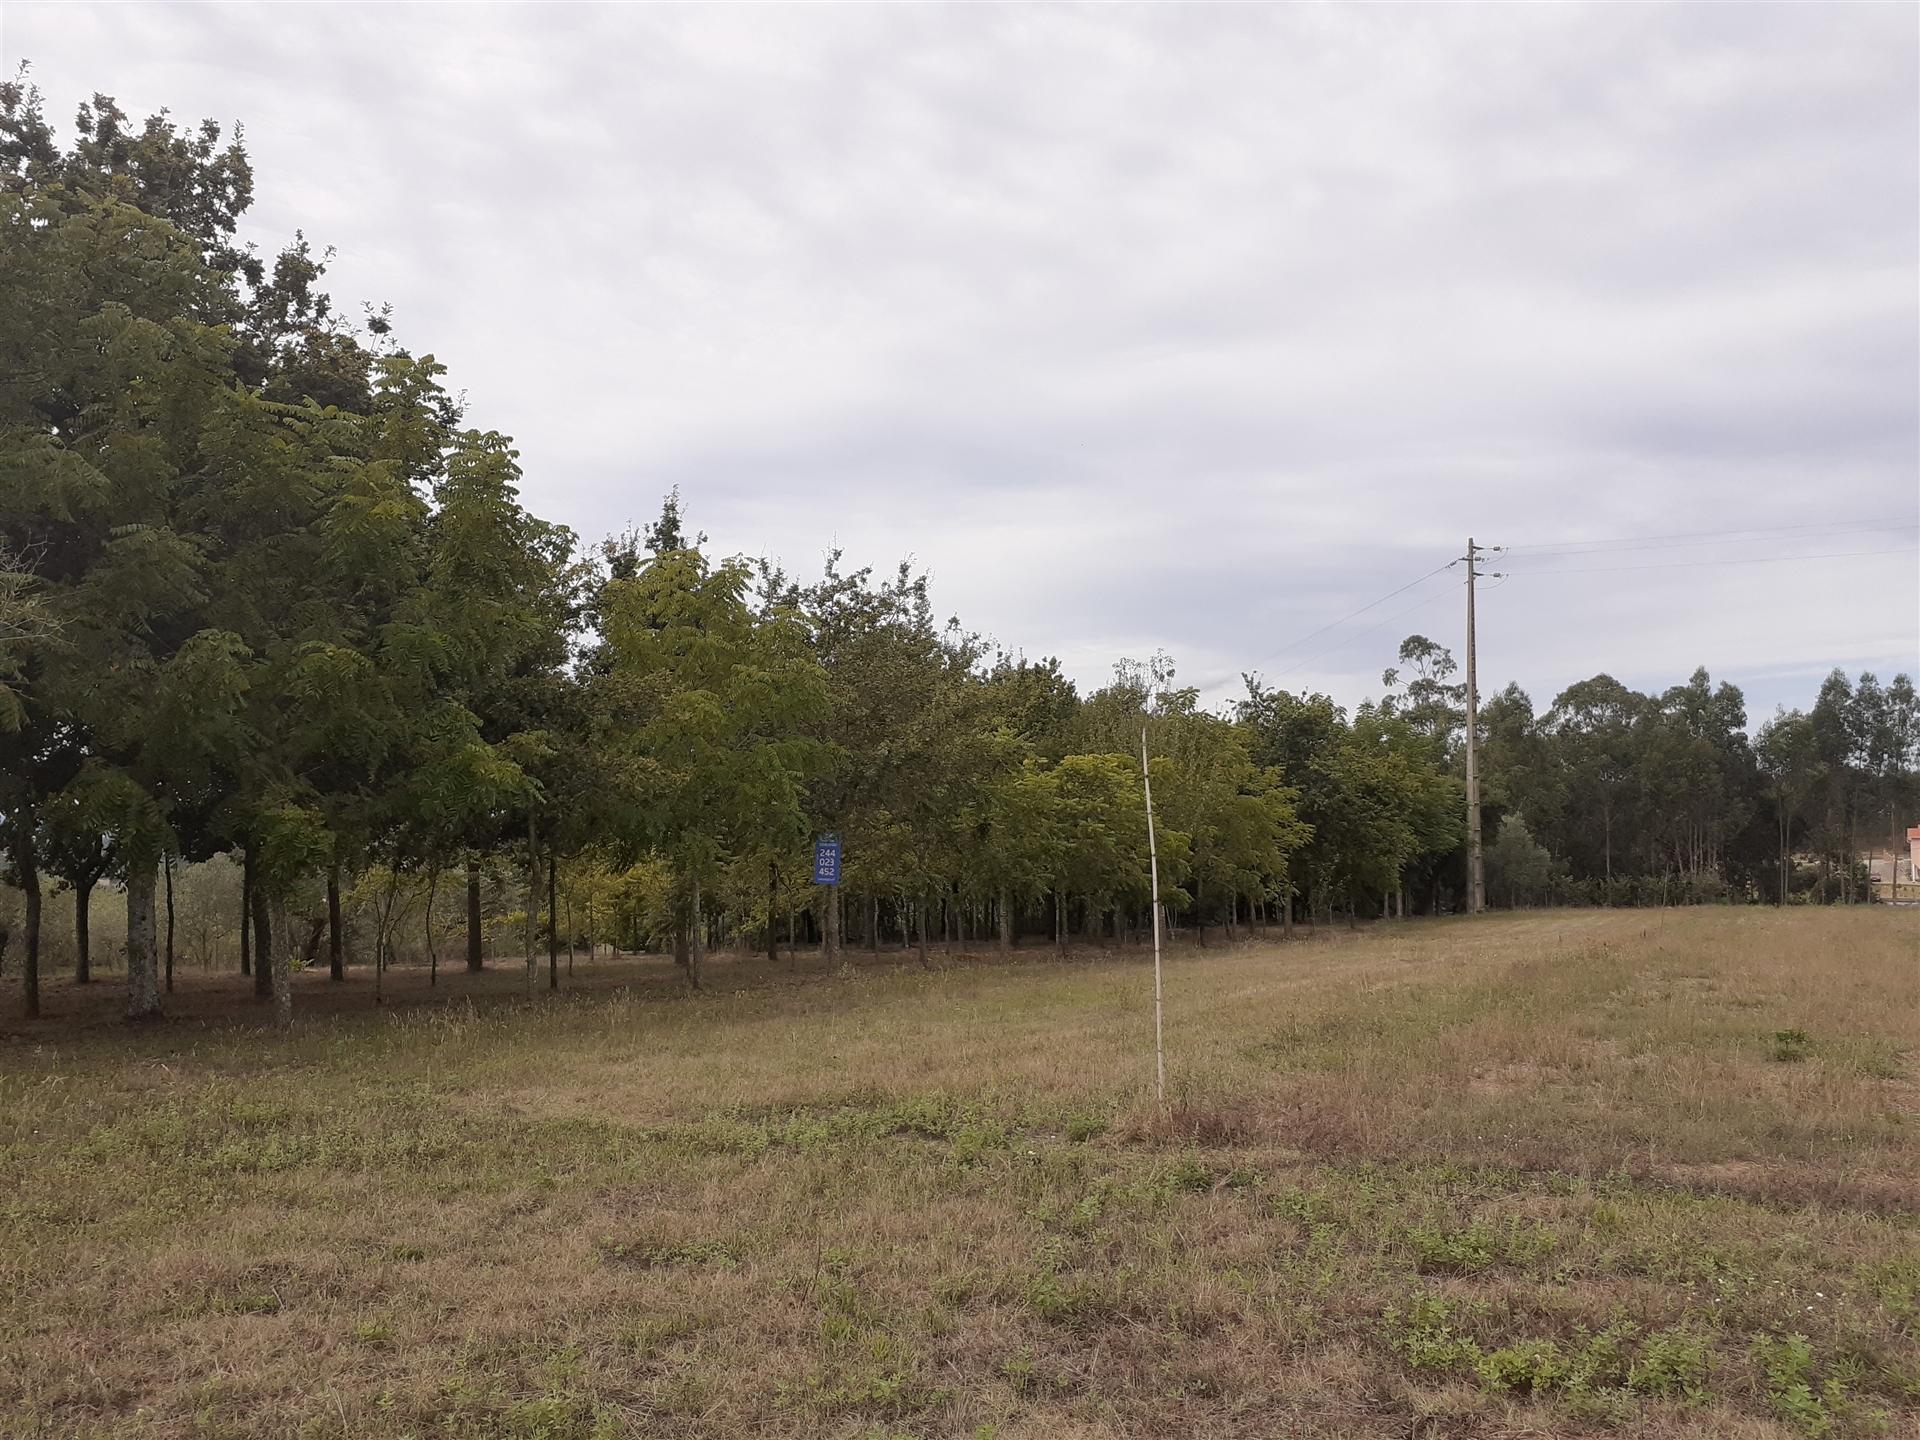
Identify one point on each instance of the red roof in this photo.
(1914, 833)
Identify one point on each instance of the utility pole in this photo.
(1476, 873)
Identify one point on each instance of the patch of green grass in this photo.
(648, 1253)
(1478, 1246)
(1082, 1128)
(1426, 1335)
(1790, 1045)
(1786, 1361)
(1671, 1363)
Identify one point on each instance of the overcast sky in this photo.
(1186, 329)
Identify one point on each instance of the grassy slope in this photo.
(1533, 1175)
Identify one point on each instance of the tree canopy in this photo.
(265, 592)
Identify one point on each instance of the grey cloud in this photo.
(1182, 327)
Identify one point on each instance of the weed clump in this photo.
(1788, 1046)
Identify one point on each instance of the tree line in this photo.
(265, 593)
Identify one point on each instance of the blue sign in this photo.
(826, 860)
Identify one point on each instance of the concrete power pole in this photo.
(1476, 872)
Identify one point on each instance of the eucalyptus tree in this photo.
(1789, 757)
(1842, 741)
(1520, 767)
(1593, 726)
(1889, 727)
(1695, 769)
(1422, 692)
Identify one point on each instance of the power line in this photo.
(1611, 548)
(1687, 539)
(1692, 564)
(1316, 634)
(1347, 640)
(1331, 625)
(1578, 548)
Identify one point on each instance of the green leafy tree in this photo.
(1519, 868)
(1593, 725)
(721, 701)
(1788, 753)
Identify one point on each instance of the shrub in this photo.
(1787, 1363)
(1671, 1362)
(1530, 1366)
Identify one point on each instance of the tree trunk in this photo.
(433, 951)
(384, 912)
(920, 927)
(553, 924)
(246, 911)
(1786, 824)
(282, 966)
(336, 939)
(697, 946)
(773, 910)
(143, 993)
(476, 956)
(873, 924)
(1853, 854)
(83, 932)
(1286, 913)
(169, 870)
(1060, 938)
(265, 943)
(26, 863)
(570, 934)
(1607, 820)
(1006, 922)
(533, 900)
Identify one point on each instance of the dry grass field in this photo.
(1539, 1175)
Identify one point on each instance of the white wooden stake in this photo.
(1153, 861)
